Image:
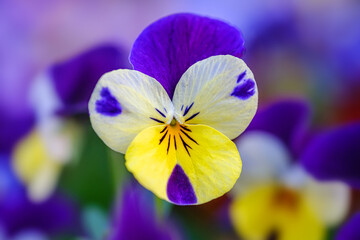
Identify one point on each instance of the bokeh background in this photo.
(59, 181)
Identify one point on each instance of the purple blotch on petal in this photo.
(241, 76)
(179, 188)
(245, 89)
(107, 105)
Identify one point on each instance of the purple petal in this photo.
(76, 78)
(135, 217)
(286, 119)
(335, 155)
(351, 230)
(13, 127)
(17, 212)
(169, 46)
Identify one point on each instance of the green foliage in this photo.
(90, 179)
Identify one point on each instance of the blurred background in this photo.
(59, 181)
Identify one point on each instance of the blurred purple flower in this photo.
(135, 217)
(74, 81)
(286, 119)
(168, 47)
(335, 155)
(351, 230)
(268, 170)
(17, 212)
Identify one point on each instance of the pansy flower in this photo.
(57, 95)
(276, 198)
(175, 115)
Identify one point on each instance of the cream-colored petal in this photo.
(220, 92)
(265, 159)
(330, 200)
(124, 103)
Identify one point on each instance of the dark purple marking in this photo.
(189, 137)
(160, 112)
(168, 147)
(187, 109)
(175, 143)
(165, 110)
(107, 105)
(192, 116)
(179, 189)
(241, 76)
(182, 106)
(162, 138)
(245, 89)
(186, 146)
(163, 129)
(186, 129)
(156, 120)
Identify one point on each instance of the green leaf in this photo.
(90, 179)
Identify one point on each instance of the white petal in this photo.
(124, 103)
(220, 92)
(330, 200)
(265, 159)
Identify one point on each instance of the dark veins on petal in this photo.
(179, 188)
(169, 46)
(107, 105)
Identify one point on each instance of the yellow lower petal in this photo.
(188, 164)
(35, 167)
(272, 210)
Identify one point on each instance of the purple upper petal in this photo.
(135, 217)
(335, 155)
(351, 230)
(169, 46)
(13, 127)
(76, 78)
(286, 119)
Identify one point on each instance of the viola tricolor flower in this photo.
(180, 149)
(275, 198)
